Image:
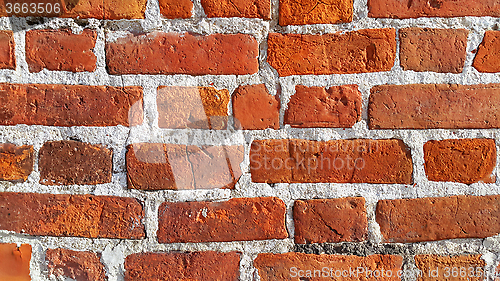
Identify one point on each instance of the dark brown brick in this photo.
(75, 264)
(463, 160)
(366, 50)
(237, 8)
(298, 266)
(155, 166)
(239, 219)
(192, 107)
(72, 162)
(335, 107)
(15, 262)
(183, 53)
(341, 161)
(488, 53)
(192, 266)
(330, 220)
(16, 162)
(71, 215)
(7, 50)
(432, 8)
(255, 109)
(69, 105)
(432, 219)
(434, 106)
(432, 49)
(61, 50)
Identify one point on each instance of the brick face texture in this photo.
(7, 52)
(445, 265)
(432, 8)
(16, 162)
(74, 264)
(366, 50)
(335, 107)
(72, 162)
(314, 12)
(60, 50)
(239, 219)
(154, 166)
(71, 215)
(255, 109)
(434, 106)
(343, 161)
(209, 266)
(438, 50)
(174, 9)
(430, 219)
(69, 105)
(183, 53)
(330, 220)
(15, 262)
(465, 160)
(277, 267)
(488, 53)
(237, 8)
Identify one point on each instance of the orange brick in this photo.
(366, 50)
(175, 9)
(16, 162)
(432, 219)
(238, 219)
(15, 262)
(237, 8)
(255, 109)
(457, 268)
(298, 266)
(335, 107)
(463, 160)
(71, 215)
(330, 220)
(488, 53)
(7, 50)
(124, 9)
(292, 12)
(60, 50)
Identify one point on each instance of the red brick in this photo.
(488, 53)
(239, 219)
(255, 109)
(432, 219)
(7, 50)
(367, 50)
(183, 53)
(432, 8)
(75, 264)
(438, 50)
(277, 267)
(176, 9)
(69, 105)
(15, 262)
(156, 166)
(71, 215)
(463, 160)
(60, 50)
(16, 162)
(314, 12)
(434, 106)
(192, 107)
(470, 268)
(191, 266)
(340, 161)
(330, 220)
(237, 8)
(72, 162)
(335, 107)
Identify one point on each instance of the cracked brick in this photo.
(299, 12)
(434, 106)
(366, 50)
(439, 218)
(16, 162)
(15, 262)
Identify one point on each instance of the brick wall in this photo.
(250, 140)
